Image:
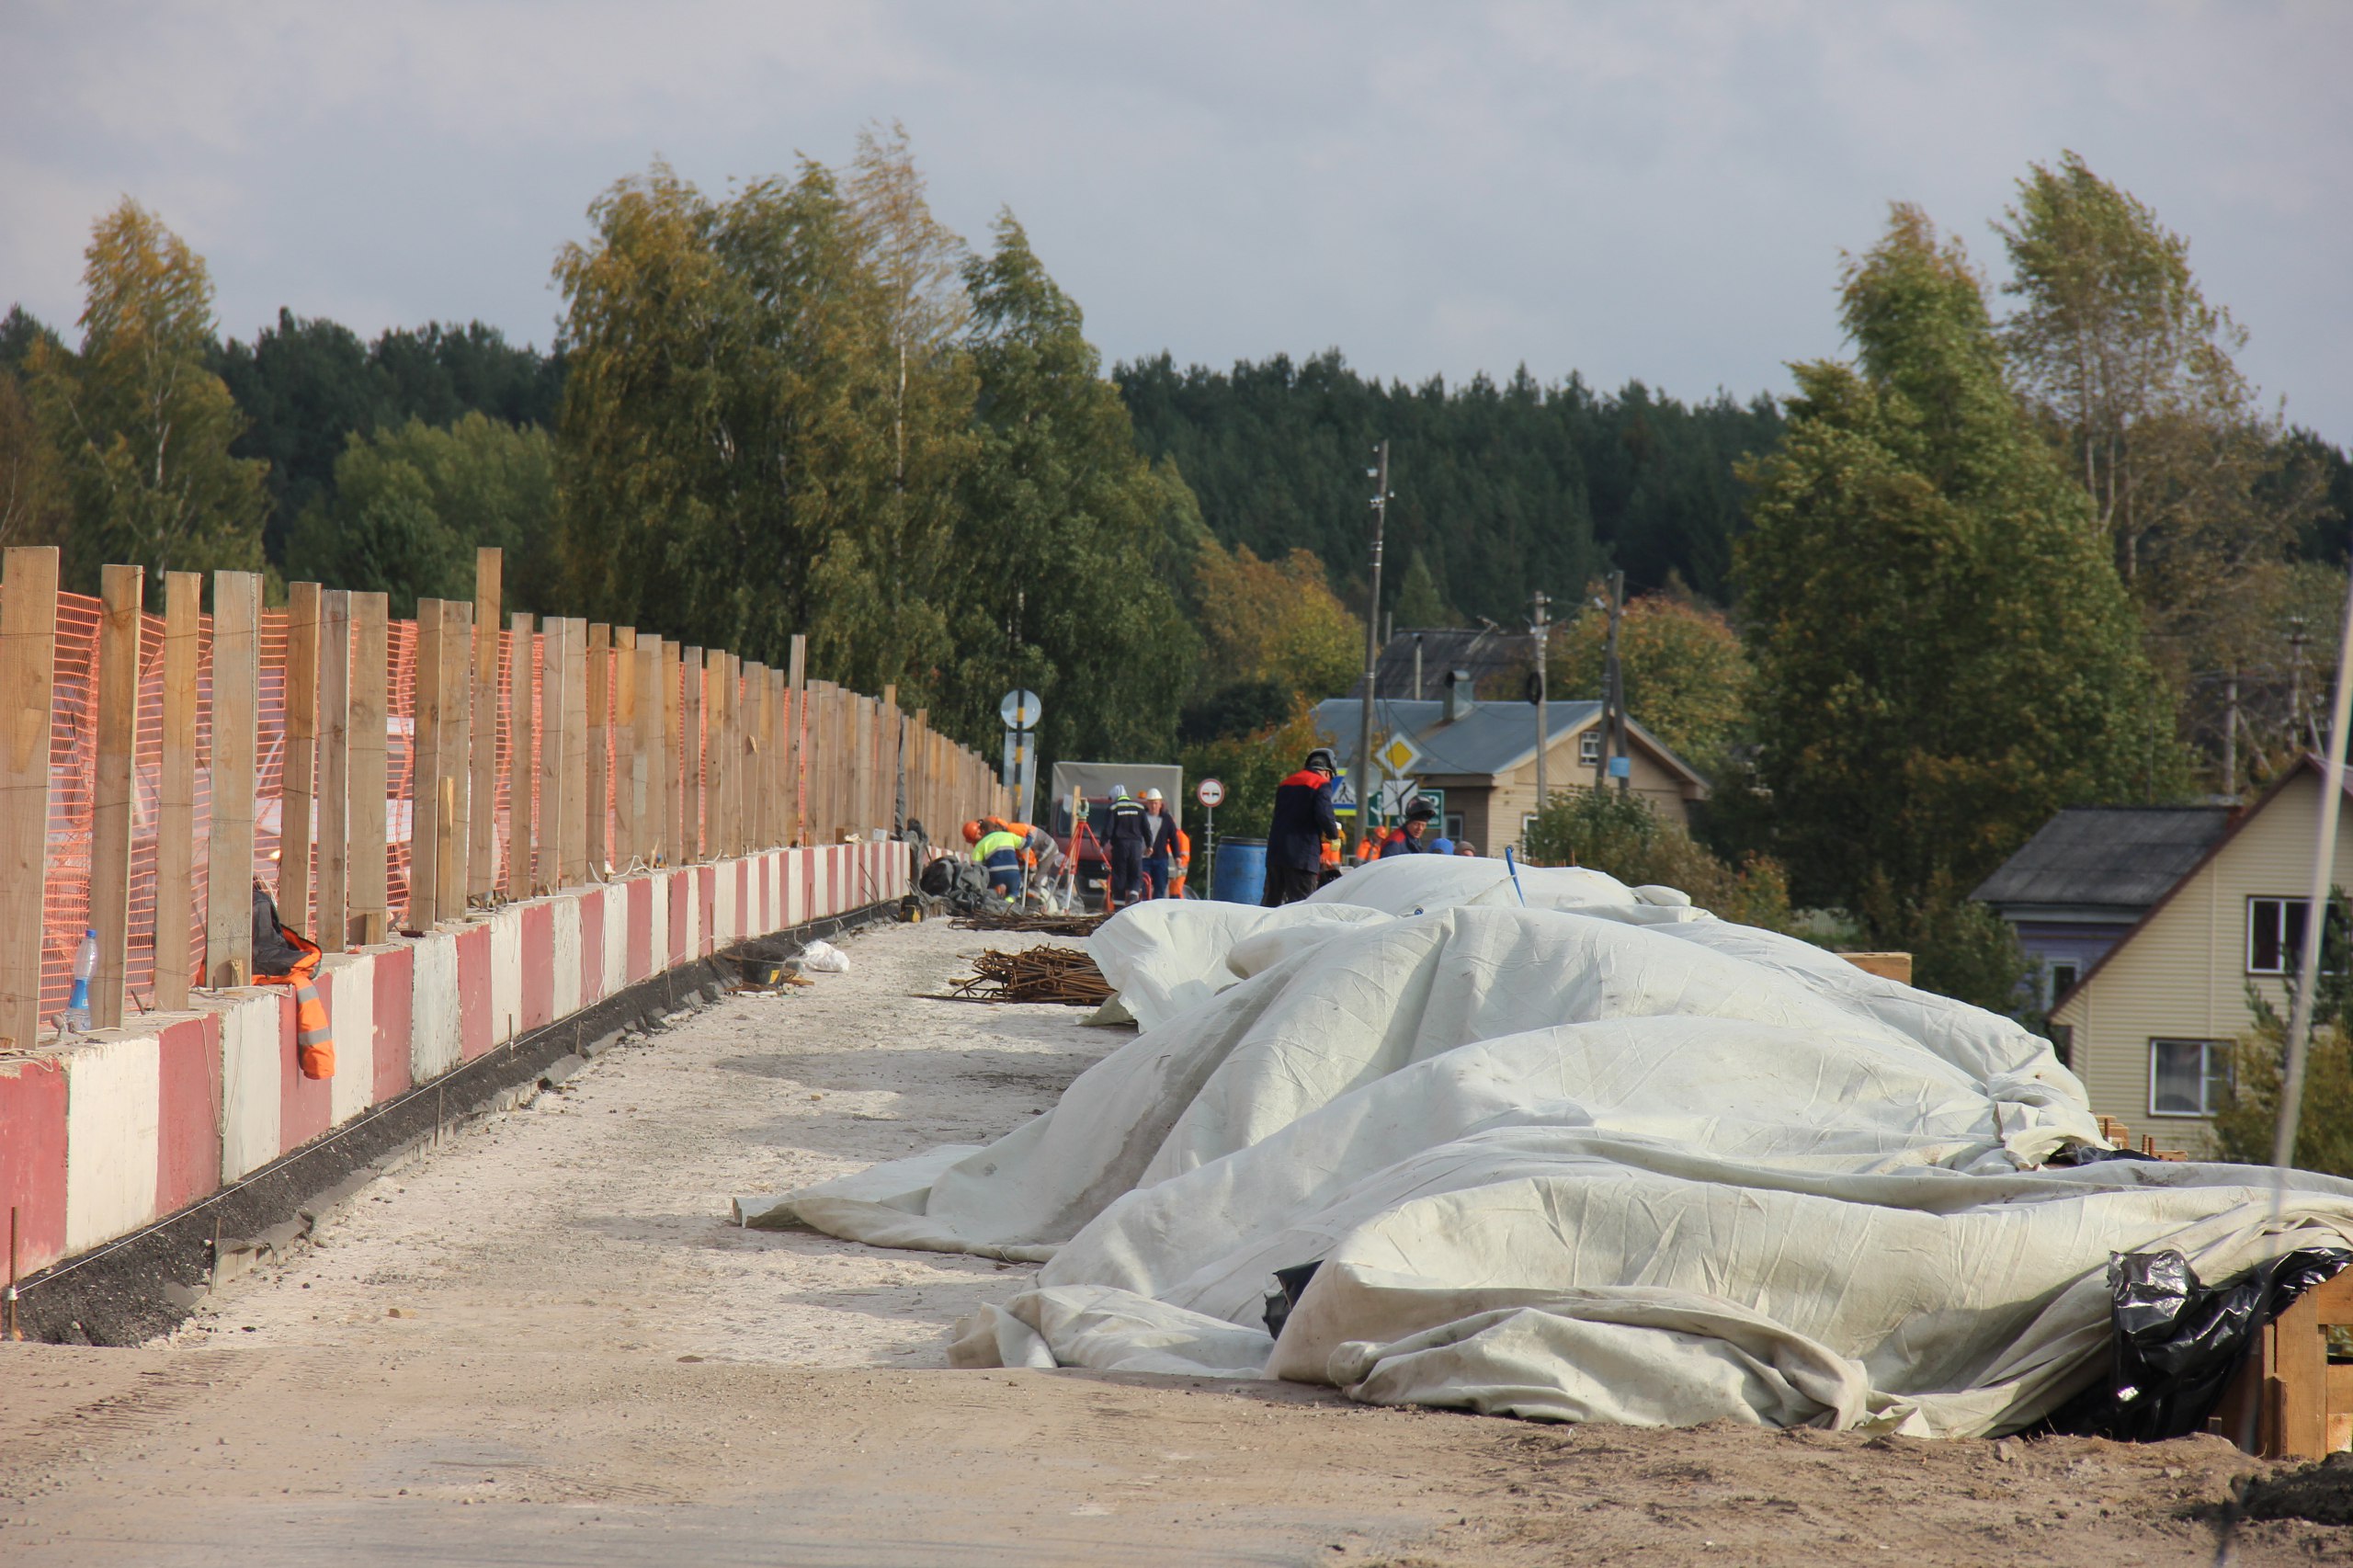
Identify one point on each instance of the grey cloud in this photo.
(1659, 192)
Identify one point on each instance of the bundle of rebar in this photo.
(1037, 925)
(1066, 975)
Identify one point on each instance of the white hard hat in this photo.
(1153, 795)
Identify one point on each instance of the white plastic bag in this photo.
(823, 958)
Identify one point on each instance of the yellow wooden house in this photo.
(2148, 1028)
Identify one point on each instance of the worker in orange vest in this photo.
(1179, 863)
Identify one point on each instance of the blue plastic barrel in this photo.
(1241, 869)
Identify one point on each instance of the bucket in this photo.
(1241, 869)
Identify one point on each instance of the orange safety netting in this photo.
(73, 770)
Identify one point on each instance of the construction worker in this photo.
(1412, 836)
(1038, 845)
(1159, 841)
(1127, 838)
(1304, 821)
(1182, 864)
(998, 852)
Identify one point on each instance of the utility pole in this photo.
(1540, 630)
(1378, 473)
(2231, 732)
(1613, 701)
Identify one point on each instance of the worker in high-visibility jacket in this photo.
(999, 853)
(284, 958)
(1179, 863)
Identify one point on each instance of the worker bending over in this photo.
(998, 852)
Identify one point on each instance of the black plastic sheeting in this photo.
(1290, 1283)
(2179, 1341)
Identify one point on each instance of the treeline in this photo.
(1500, 488)
(2025, 550)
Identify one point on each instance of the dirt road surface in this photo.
(545, 1343)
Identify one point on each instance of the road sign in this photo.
(1399, 755)
(1209, 792)
(1020, 710)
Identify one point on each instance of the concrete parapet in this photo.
(109, 1132)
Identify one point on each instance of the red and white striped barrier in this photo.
(118, 1129)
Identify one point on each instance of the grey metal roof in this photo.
(1493, 737)
(1494, 658)
(2124, 858)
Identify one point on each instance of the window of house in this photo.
(1454, 826)
(1527, 826)
(2064, 975)
(2274, 933)
(1590, 746)
(2189, 1078)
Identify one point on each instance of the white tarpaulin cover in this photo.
(1599, 1156)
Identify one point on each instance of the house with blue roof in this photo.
(1483, 756)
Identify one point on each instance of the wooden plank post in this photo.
(893, 767)
(575, 751)
(691, 773)
(780, 753)
(522, 732)
(371, 900)
(645, 760)
(918, 805)
(626, 807)
(425, 769)
(482, 836)
(861, 753)
(330, 928)
(453, 787)
(236, 702)
(122, 591)
(796, 749)
(28, 693)
(600, 701)
(176, 794)
(548, 875)
(714, 752)
(298, 770)
(757, 757)
(673, 776)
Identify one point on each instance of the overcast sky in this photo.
(1626, 189)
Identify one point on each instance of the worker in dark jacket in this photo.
(1159, 842)
(1303, 821)
(1412, 836)
(1128, 835)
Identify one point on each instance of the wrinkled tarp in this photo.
(1594, 1156)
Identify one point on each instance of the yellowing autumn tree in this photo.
(1274, 621)
(143, 426)
(1685, 678)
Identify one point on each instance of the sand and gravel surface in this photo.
(545, 1343)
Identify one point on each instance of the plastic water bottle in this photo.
(85, 964)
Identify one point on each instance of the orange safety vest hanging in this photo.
(313, 1040)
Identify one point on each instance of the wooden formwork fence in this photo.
(157, 761)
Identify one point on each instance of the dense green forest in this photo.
(1968, 575)
(1500, 488)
